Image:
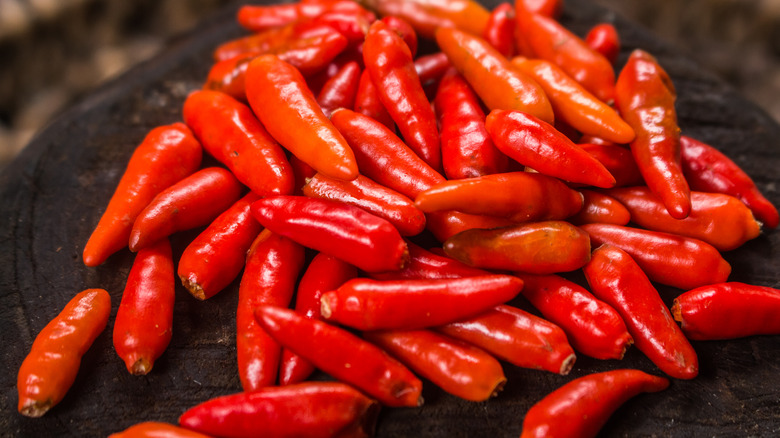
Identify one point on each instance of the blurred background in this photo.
(52, 52)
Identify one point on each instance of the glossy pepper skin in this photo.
(324, 273)
(518, 196)
(367, 102)
(581, 407)
(618, 280)
(340, 90)
(619, 162)
(389, 63)
(257, 18)
(593, 327)
(721, 220)
(455, 366)
(217, 255)
(516, 336)
(600, 208)
(312, 409)
(708, 170)
(670, 259)
(230, 132)
(728, 311)
(50, 368)
(345, 231)
(166, 155)
(270, 277)
(192, 202)
(500, 29)
(534, 143)
(404, 30)
(548, 8)
(536, 247)
(445, 224)
(496, 82)
(645, 97)
(466, 147)
(144, 320)
(426, 16)
(367, 304)
(604, 38)
(280, 98)
(426, 264)
(156, 429)
(343, 355)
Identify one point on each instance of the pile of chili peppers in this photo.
(381, 207)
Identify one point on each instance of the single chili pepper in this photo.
(353, 24)
(271, 274)
(728, 311)
(708, 170)
(432, 67)
(230, 132)
(619, 162)
(445, 224)
(575, 105)
(165, 156)
(669, 259)
(534, 143)
(50, 368)
(323, 274)
(721, 220)
(604, 39)
(518, 337)
(389, 63)
(275, 40)
(340, 90)
(457, 367)
(367, 304)
(217, 255)
(156, 429)
(404, 30)
(550, 40)
(518, 196)
(618, 280)
(345, 231)
(279, 96)
(548, 8)
(593, 327)
(382, 156)
(426, 16)
(500, 29)
(229, 76)
(192, 202)
(645, 97)
(496, 82)
(367, 102)
(343, 355)
(311, 409)
(257, 18)
(581, 407)
(426, 264)
(144, 321)
(370, 196)
(466, 148)
(599, 208)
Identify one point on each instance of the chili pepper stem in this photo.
(36, 409)
(568, 364)
(141, 367)
(194, 288)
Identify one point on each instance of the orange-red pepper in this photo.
(619, 162)
(500, 29)
(258, 18)
(50, 368)
(426, 264)
(600, 208)
(426, 16)
(404, 30)
(548, 8)
(604, 39)
(340, 90)
(445, 224)
(156, 429)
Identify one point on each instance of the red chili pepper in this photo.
(645, 97)
(271, 274)
(279, 96)
(426, 16)
(343, 355)
(599, 208)
(604, 39)
(165, 156)
(536, 247)
(431, 68)
(445, 224)
(367, 102)
(708, 170)
(618, 161)
(518, 196)
(353, 24)
(50, 368)
(532, 142)
(218, 254)
(367, 304)
(581, 407)
(728, 311)
(323, 274)
(518, 337)
(390, 65)
(230, 132)
(143, 324)
(618, 280)
(500, 29)
(593, 327)
(192, 202)
(229, 76)
(498, 84)
(466, 148)
(311, 409)
(426, 264)
(723, 221)
(404, 30)
(257, 18)
(372, 197)
(156, 429)
(293, 36)
(345, 231)
(458, 368)
(340, 90)
(669, 259)
(548, 8)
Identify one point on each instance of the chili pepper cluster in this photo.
(382, 208)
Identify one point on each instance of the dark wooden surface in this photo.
(53, 194)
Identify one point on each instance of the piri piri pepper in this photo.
(426, 16)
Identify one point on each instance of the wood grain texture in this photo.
(53, 194)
